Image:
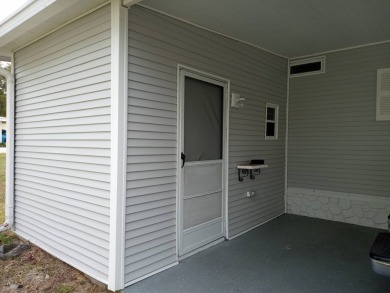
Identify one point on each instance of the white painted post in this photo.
(119, 72)
(9, 181)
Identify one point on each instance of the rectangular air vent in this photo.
(307, 66)
(383, 95)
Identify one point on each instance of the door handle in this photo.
(183, 157)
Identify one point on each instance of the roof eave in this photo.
(38, 18)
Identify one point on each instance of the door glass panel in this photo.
(203, 108)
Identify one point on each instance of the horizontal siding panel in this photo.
(65, 205)
(62, 142)
(150, 245)
(59, 170)
(151, 182)
(64, 194)
(90, 226)
(64, 129)
(157, 44)
(142, 207)
(91, 112)
(136, 102)
(87, 248)
(149, 237)
(140, 175)
(152, 112)
(51, 53)
(66, 165)
(58, 88)
(135, 200)
(83, 91)
(132, 135)
(150, 151)
(151, 158)
(151, 167)
(70, 144)
(151, 189)
(94, 56)
(148, 119)
(92, 152)
(91, 234)
(64, 136)
(92, 159)
(154, 266)
(66, 77)
(157, 143)
(148, 96)
(153, 228)
(93, 120)
(63, 185)
(149, 213)
(59, 175)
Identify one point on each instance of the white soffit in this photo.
(285, 27)
(38, 18)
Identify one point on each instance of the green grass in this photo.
(2, 188)
(5, 239)
(64, 289)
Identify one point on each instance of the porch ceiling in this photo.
(288, 28)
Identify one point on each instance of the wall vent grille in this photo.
(306, 67)
(383, 95)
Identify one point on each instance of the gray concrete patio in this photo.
(289, 254)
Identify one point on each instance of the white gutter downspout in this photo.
(9, 181)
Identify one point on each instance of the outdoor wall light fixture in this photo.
(237, 101)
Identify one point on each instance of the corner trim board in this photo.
(10, 149)
(119, 101)
(286, 139)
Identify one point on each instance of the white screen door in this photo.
(203, 160)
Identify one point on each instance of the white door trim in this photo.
(182, 72)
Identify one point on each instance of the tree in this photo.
(3, 91)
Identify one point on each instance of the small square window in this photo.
(271, 121)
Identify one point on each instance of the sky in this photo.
(9, 6)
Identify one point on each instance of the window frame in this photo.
(275, 121)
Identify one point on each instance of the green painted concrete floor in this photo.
(289, 254)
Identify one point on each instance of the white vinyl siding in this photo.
(335, 142)
(157, 44)
(62, 143)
